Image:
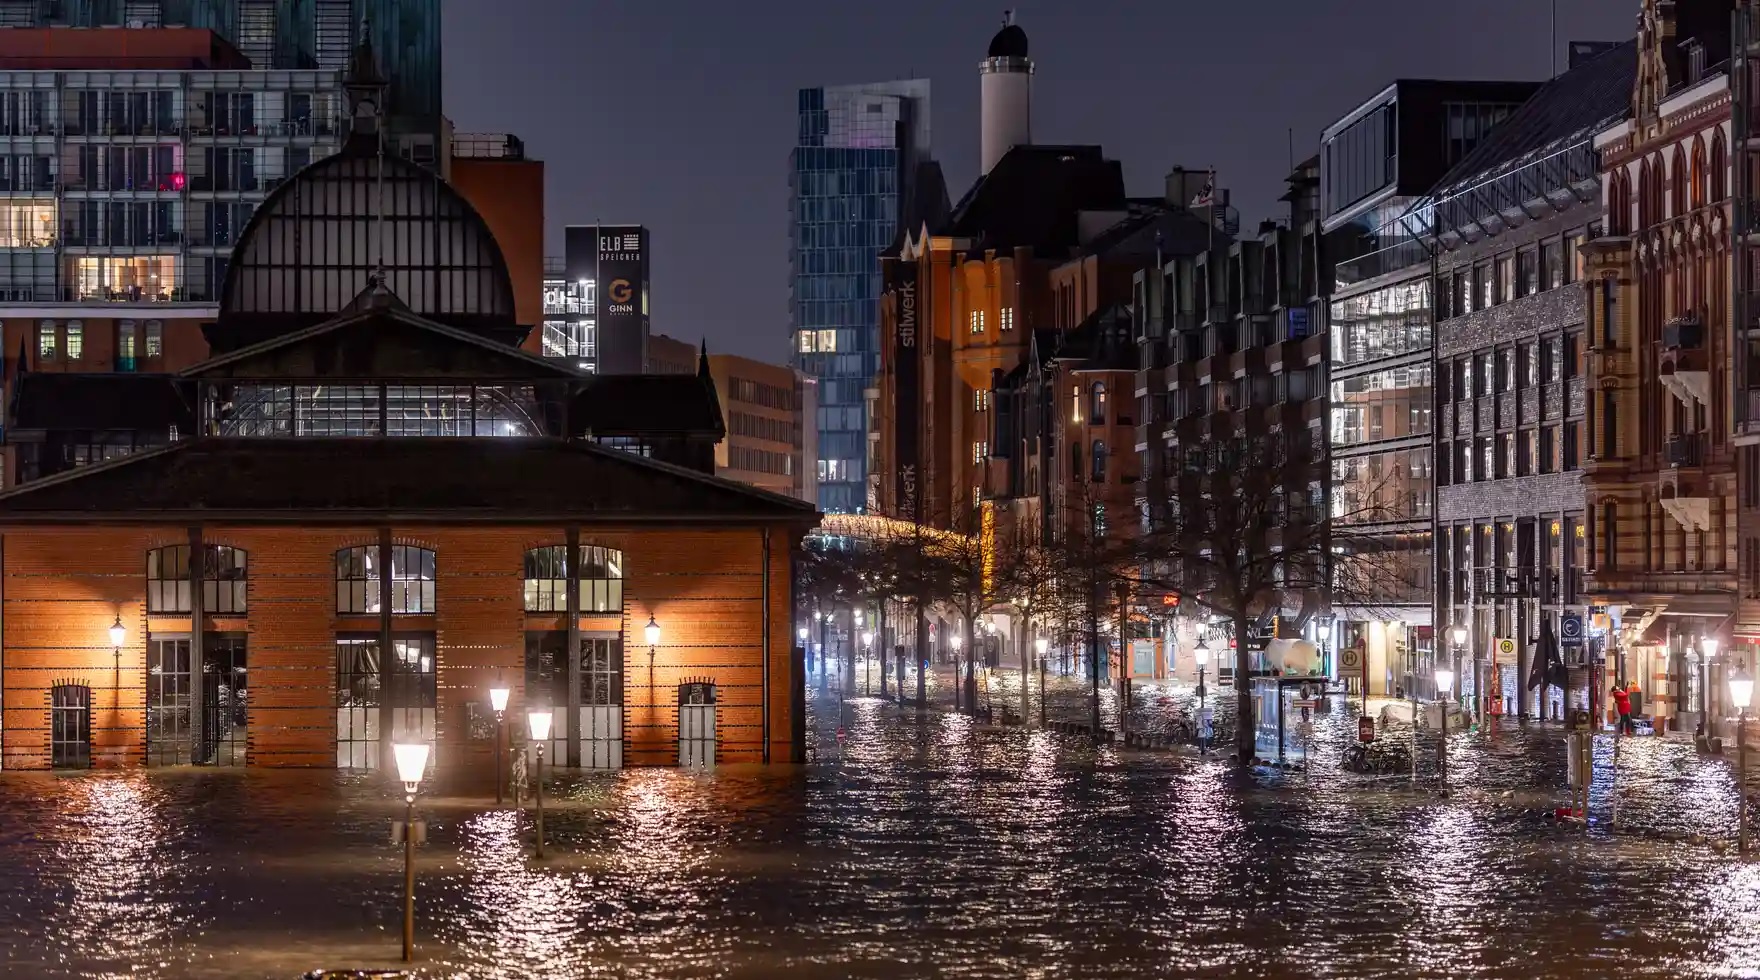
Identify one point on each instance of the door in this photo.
(547, 687)
(602, 702)
(224, 700)
(169, 688)
(357, 703)
(70, 726)
(696, 725)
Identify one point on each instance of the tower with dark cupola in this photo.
(1006, 77)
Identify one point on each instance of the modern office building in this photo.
(596, 299)
(1377, 163)
(857, 148)
(1512, 219)
(288, 34)
(765, 408)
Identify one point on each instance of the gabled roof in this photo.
(1033, 195)
(378, 338)
(647, 405)
(1565, 111)
(1102, 342)
(342, 481)
(101, 402)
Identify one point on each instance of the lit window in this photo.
(1075, 403)
(155, 338)
(977, 321)
(980, 451)
(1097, 408)
(125, 345)
(48, 345)
(76, 340)
(980, 401)
(1006, 320)
(357, 580)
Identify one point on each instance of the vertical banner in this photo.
(908, 394)
(623, 298)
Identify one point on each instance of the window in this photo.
(980, 400)
(980, 451)
(1099, 459)
(1006, 319)
(48, 342)
(1506, 278)
(155, 339)
(977, 321)
(1506, 455)
(126, 345)
(601, 584)
(357, 580)
(1461, 291)
(1530, 364)
(1506, 370)
(1525, 452)
(1570, 455)
(223, 579)
(1573, 257)
(76, 340)
(1097, 404)
(70, 726)
(1551, 265)
(1527, 272)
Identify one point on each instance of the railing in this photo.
(1685, 450)
(1504, 583)
(1404, 255)
(1683, 333)
(1473, 204)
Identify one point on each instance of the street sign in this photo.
(1351, 659)
(1506, 647)
(1365, 729)
(1597, 610)
(1570, 630)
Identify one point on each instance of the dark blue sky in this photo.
(679, 114)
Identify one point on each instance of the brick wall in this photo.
(64, 587)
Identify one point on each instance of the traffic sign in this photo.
(1365, 729)
(1570, 630)
(1506, 647)
(1350, 658)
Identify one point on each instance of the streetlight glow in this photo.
(1041, 645)
(118, 633)
(1709, 645)
(868, 638)
(1741, 688)
(651, 633)
(498, 698)
(957, 641)
(1460, 636)
(539, 722)
(1444, 681)
(801, 634)
(1201, 653)
(412, 762)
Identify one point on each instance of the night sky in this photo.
(679, 114)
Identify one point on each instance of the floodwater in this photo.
(916, 846)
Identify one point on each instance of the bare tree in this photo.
(1244, 534)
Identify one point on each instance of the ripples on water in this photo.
(912, 849)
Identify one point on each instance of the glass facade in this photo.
(854, 143)
(1381, 323)
(133, 186)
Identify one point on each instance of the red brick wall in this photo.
(63, 588)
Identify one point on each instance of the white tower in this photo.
(1006, 79)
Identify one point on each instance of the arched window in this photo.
(70, 726)
(1719, 167)
(223, 576)
(1099, 461)
(601, 571)
(1619, 203)
(1677, 184)
(1097, 404)
(357, 580)
(1697, 177)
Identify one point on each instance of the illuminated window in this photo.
(980, 401)
(76, 340)
(141, 278)
(155, 338)
(980, 451)
(1007, 318)
(1097, 403)
(977, 321)
(126, 345)
(48, 343)
(601, 579)
(357, 580)
(27, 224)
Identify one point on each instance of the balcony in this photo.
(1505, 583)
(1683, 365)
(1685, 450)
(1684, 489)
(1683, 333)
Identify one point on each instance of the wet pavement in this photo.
(920, 844)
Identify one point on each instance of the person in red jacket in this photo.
(1622, 703)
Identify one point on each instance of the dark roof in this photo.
(1564, 112)
(377, 337)
(348, 480)
(1153, 224)
(101, 402)
(647, 405)
(1033, 195)
(1010, 42)
(925, 203)
(1102, 342)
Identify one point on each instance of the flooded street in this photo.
(913, 848)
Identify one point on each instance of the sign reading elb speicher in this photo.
(615, 258)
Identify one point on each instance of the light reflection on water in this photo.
(926, 848)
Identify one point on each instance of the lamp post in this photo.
(867, 661)
(118, 633)
(1708, 647)
(498, 702)
(957, 641)
(1041, 646)
(412, 762)
(539, 722)
(1741, 693)
(651, 633)
(1444, 686)
(1201, 657)
(1459, 635)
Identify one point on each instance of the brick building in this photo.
(367, 506)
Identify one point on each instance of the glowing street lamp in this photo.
(538, 720)
(498, 703)
(118, 633)
(651, 633)
(412, 762)
(1741, 694)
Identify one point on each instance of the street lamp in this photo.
(1741, 694)
(1201, 657)
(539, 721)
(1444, 686)
(118, 633)
(412, 762)
(651, 633)
(498, 703)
